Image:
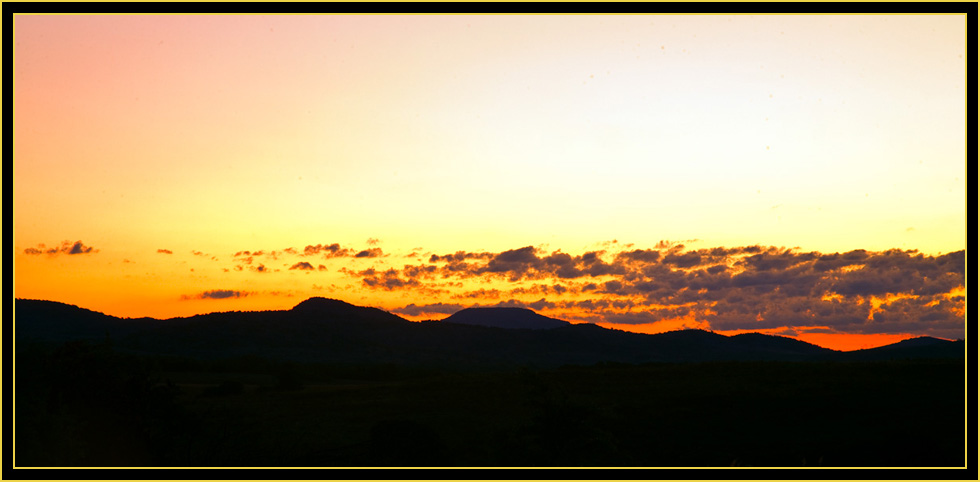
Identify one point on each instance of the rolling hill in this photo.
(330, 331)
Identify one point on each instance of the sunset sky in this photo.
(794, 175)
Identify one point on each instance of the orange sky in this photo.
(151, 152)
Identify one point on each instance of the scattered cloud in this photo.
(216, 295)
(433, 308)
(721, 288)
(165, 251)
(67, 247)
(741, 288)
(369, 253)
(328, 250)
(388, 280)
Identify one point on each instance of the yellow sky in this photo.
(219, 134)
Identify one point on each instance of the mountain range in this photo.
(320, 330)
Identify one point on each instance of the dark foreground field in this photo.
(84, 404)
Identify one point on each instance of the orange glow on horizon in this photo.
(850, 341)
(833, 341)
(662, 326)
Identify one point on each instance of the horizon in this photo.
(849, 345)
(794, 175)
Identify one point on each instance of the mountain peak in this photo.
(319, 303)
(505, 317)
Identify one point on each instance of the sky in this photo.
(792, 175)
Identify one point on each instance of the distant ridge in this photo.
(509, 318)
(321, 330)
(919, 347)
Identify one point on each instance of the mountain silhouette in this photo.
(331, 331)
(510, 318)
(919, 347)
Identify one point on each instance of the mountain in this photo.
(920, 347)
(59, 322)
(510, 318)
(322, 330)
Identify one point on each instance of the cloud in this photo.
(481, 293)
(389, 280)
(216, 295)
(329, 250)
(459, 256)
(741, 288)
(67, 247)
(639, 255)
(79, 248)
(165, 251)
(728, 288)
(686, 260)
(441, 308)
(373, 241)
(647, 316)
(369, 253)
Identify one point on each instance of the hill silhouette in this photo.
(511, 318)
(912, 348)
(326, 330)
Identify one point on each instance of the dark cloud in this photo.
(517, 262)
(67, 247)
(539, 289)
(216, 295)
(481, 293)
(646, 316)
(369, 253)
(389, 280)
(686, 260)
(640, 255)
(419, 272)
(79, 248)
(612, 286)
(775, 261)
(459, 256)
(739, 288)
(328, 250)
